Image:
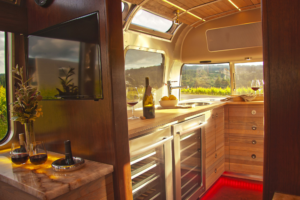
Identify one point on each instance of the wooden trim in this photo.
(13, 18)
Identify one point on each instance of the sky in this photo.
(136, 59)
(2, 48)
(40, 47)
(149, 20)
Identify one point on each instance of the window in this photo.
(123, 6)
(205, 81)
(3, 103)
(245, 73)
(140, 64)
(151, 21)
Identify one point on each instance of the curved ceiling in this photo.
(196, 12)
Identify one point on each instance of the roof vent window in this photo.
(151, 21)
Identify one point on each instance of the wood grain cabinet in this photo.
(215, 140)
(244, 139)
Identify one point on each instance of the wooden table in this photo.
(280, 196)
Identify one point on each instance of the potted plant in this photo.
(26, 108)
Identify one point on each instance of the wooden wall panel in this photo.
(281, 32)
(97, 129)
(13, 18)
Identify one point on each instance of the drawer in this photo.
(245, 157)
(246, 169)
(247, 144)
(214, 172)
(246, 111)
(214, 158)
(245, 126)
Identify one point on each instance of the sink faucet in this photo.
(170, 87)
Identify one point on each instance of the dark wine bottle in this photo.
(148, 102)
(68, 153)
(22, 142)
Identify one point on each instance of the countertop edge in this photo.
(135, 132)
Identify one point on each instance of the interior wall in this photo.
(171, 49)
(97, 129)
(281, 32)
(194, 47)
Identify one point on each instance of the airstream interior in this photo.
(230, 69)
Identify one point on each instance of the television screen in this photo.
(64, 60)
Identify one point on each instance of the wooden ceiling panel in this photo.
(135, 1)
(221, 15)
(161, 8)
(242, 3)
(188, 19)
(255, 1)
(223, 6)
(205, 11)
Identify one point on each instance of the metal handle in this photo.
(253, 112)
(215, 170)
(191, 129)
(216, 155)
(253, 156)
(254, 127)
(152, 146)
(253, 141)
(213, 116)
(199, 150)
(217, 115)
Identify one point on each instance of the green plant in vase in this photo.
(26, 108)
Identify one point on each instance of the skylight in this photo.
(151, 21)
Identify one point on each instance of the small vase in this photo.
(29, 134)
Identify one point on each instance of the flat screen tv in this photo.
(64, 60)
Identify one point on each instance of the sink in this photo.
(194, 104)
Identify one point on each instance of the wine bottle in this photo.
(148, 102)
(22, 142)
(68, 153)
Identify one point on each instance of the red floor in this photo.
(227, 188)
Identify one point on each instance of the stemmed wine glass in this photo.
(132, 96)
(19, 154)
(255, 85)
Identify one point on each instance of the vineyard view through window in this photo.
(245, 73)
(140, 64)
(3, 104)
(205, 81)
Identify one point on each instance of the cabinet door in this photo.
(219, 120)
(210, 135)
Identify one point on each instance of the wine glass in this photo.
(19, 153)
(132, 96)
(255, 85)
(37, 153)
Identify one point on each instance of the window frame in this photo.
(128, 26)
(131, 47)
(8, 58)
(230, 68)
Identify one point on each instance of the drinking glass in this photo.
(132, 96)
(255, 85)
(37, 153)
(19, 154)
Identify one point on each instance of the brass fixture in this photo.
(176, 21)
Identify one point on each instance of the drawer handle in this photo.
(253, 141)
(213, 116)
(253, 112)
(254, 127)
(199, 150)
(216, 155)
(217, 115)
(215, 170)
(253, 156)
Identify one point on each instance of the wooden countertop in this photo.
(44, 183)
(280, 196)
(165, 116)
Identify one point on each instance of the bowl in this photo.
(168, 103)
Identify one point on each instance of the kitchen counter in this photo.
(280, 196)
(165, 116)
(41, 182)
